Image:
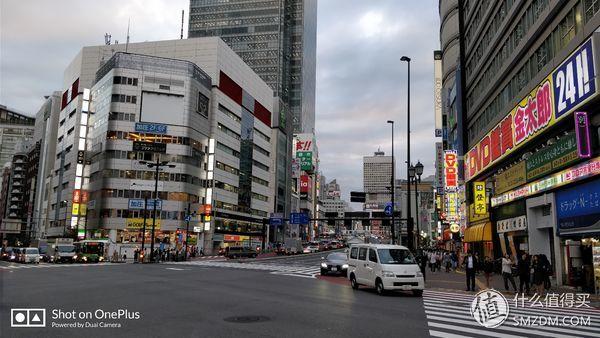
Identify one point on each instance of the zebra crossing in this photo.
(15, 267)
(449, 315)
(271, 267)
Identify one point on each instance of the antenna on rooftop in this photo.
(127, 42)
(107, 38)
(181, 36)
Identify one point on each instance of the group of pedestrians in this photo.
(166, 255)
(533, 272)
(441, 259)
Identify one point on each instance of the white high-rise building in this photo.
(195, 95)
(377, 180)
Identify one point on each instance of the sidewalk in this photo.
(457, 281)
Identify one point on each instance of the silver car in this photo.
(30, 255)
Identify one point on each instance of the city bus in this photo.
(91, 251)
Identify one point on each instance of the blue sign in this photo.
(578, 208)
(154, 128)
(388, 209)
(139, 204)
(188, 218)
(275, 221)
(298, 218)
(574, 80)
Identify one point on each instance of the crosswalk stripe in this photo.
(448, 315)
(275, 268)
(435, 333)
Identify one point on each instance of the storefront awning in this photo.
(479, 233)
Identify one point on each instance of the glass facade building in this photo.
(277, 39)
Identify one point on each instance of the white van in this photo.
(385, 267)
(30, 255)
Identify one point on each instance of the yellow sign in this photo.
(479, 195)
(454, 228)
(82, 209)
(474, 218)
(451, 206)
(512, 177)
(75, 209)
(138, 223)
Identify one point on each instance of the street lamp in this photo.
(418, 171)
(393, 227)
(409, 226)
(157, 166)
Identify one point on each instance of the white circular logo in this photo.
(489, 308)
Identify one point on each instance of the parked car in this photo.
(30, 255)
(334, 263)
(385, 267)
(310, 247)
(239, 252)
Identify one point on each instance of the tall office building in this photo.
(528, 99)
(377, 180)
(277, 39)
(14, 128)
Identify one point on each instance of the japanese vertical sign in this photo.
(450, 170)
(479, 196)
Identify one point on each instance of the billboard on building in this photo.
(437, 91)
(450, 170)
(570, 85)
(439, 164)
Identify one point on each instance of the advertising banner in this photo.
(76, 195)
(304, 142)
(154, 128)
(305, 186)
(579, 172)
(295, 168)
(555, 156)
(439, 164)
(450, 170)
(512, 224)
(582, 130)
(305, 158)
(479, 196)
(511, 177)
(578, 208)
(138, 223)
(139, 204)
(75, 209)
(437, 92)
(451, 201)
(570, 85)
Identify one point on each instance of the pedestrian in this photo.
(507, 264)
(478, 266)
(432, 261)
(523, 267)
(547, 271)
(135, 255)
(124, 257)
(454, 260)
(115, 256)
(488, 270)
(470, 263)
(538, 274)
(447, 262)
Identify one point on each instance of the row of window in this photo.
(232, 170)
(158, 138)
(490, 32)
(123, 98)
(195, 160)
(476, 22)
(118, 116)
(562, 34)
(526, 22)
(218, 6)
(149, 175)
(237, 208)
(125, 80)
(162, 195)
(126, 213)
(231, 225)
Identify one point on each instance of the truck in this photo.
(62, 250)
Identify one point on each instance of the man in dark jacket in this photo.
(523, 267)
(470, 262)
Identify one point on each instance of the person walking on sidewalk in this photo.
(488, 270)
(547, 271)
(470, 263)
(538, 274)
(432, 261)
(507, 264)
(523, 267)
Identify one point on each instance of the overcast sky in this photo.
(360, 81)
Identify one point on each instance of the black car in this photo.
(239, 252)
(335, 263)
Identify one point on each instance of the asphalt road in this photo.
(199, 301)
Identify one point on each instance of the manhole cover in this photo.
(246, 319)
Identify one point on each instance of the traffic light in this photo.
(358, 196)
